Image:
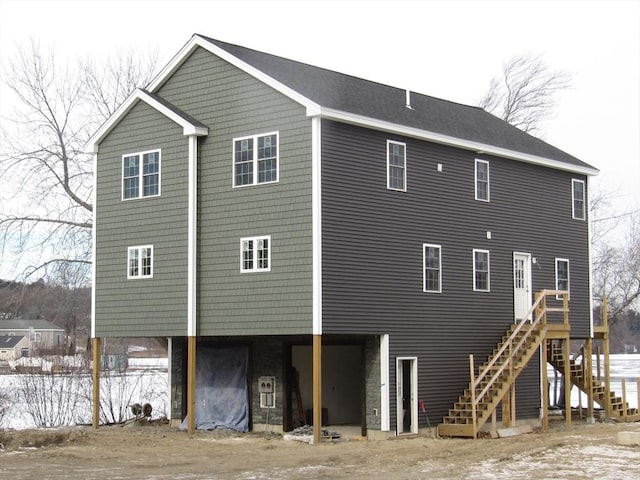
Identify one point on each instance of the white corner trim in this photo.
(316, 222)
(93, 247)
(192, 238)
(385, 410)
(590, 259)
(139, 95)
(413, 132)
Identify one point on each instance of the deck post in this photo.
(96, 382)
(588, 373)
(545, 386)
(191, 385)
(605, 346)
(567, 382)
(317, 388)
(473, 396)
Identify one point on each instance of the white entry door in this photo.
(521, 285)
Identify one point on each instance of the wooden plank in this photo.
(96, 382)
(317, 388)
(191, 385)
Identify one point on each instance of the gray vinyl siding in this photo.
(234, 104)
(142, 307)
(372, 254)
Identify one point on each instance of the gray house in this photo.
(308, 240)
(42, 336)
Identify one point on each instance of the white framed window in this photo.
(140, 262)
(141, 175)
(432, 268)
(255, 254)
(255, 159)
(578, 197)
(481, 271)
(396, 166)
(562, 276)
(482, 180)
(35, 337)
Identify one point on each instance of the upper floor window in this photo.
(255, 254)
(578, 195)
(481, 272)
(255, 159)
(482, 180)
(432, 268)
(396, 166)
(141, 175)
(35, 337)
(140, 262)
(562, 275)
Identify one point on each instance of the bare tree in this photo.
(526, 93)
(46, 175)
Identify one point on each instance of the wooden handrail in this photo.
(540, 309)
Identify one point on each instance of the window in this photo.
(255, 254)
(482, 180)
(562, 275)
(255, 160)
(481, 270)
(396, 166)
(141, 180)
(577, 192)
(35, 337)
(432, 265)
(140, 262)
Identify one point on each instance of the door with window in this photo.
(521, 285)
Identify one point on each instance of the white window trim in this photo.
(404, 179)
(141, 175)
(255, 159)
(424, 268)
(559, 297)
(573, 202)
(140, 276)
(254, 269)
(488, 181)
(478, 250)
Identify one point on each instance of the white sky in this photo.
(448, 49)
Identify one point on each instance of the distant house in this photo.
(41, 335)
(13, 347)
(260, 211)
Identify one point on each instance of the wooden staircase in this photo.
(619, 410)
(493, 380)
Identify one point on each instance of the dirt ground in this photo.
(160, 452)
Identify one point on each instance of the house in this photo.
(42, 336)
(13, 347)
(308, 240)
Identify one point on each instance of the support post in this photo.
(605, 346)
(191, 385)
(588, 377)
(545, 386)
(506, 409)
(96, 382)
(567, 382)
(624, 400)
(317, 388)
(473, 397)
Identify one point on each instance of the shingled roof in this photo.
(373, 100)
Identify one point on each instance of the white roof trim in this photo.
(477, 147)
(197, 41)
(188, 128)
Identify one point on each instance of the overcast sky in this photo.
(447, 49)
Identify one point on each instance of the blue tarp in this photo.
(221, 388)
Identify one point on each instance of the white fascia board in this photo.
(187, 127)
(477, 147)
(312, 107)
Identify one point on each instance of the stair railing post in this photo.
(545, 386)
(567, 382)
(624, 400)
(565, 307)
(473, 395)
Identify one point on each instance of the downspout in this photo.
(192, 225)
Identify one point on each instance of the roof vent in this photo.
(408, 99)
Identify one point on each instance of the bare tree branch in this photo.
(526, 93)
